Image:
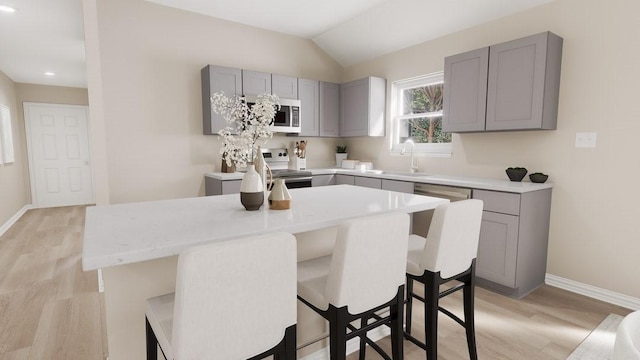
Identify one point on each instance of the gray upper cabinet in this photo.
(329, 109)
(320, 108)
(362, 107)
(524, 83)
(255, 83)
(520, 81)
(215, 79)
(309, 111)
(465, 91)
(286, 87)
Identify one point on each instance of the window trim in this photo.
(421, 150)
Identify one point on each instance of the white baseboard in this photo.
(353, 345)
(593, 292)
(12, 220)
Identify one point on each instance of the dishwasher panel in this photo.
(422, 219)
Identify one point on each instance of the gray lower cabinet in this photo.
(517, 81)
(345, 179)
(512, 252)
(368, 182)
(329, 109)
(219, 187)
(286, 87)
(396, 185)
(216, 79)
(362, 107)
(323, 180)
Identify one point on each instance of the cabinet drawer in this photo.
(368, 182)
(500, 202)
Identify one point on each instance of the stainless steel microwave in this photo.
(287, 119)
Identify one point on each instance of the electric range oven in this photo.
(278, 161)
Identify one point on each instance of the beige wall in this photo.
(144, 88)
(14, 181)
(51, 94)
(594, 237)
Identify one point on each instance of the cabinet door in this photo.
(255, 83)
(231, 187)
(354, 111)
(399, 186)
(309, 108)
(497, 249)
(517, 83)
(368, 182)
(362, 107)
(345, 179)
(286, 87)
(465, 91)
(323, 180)
(216, 79)
(329, 109)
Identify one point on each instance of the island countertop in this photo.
(134, 232)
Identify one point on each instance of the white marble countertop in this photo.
(450, 180)
(134, 232)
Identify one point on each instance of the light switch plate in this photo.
(585, 140)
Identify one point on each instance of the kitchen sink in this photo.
(396, 172)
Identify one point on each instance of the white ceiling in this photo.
(47, 35)
(41, 36)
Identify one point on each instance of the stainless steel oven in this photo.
(278, 161)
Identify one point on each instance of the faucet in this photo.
(412, 167)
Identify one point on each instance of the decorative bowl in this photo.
(516, 173)
(538, 177)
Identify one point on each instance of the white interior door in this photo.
(59, 162)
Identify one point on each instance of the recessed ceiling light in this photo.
(8, 9)
(49, 73)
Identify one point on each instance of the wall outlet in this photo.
(586, 140)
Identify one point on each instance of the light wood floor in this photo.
(51, 309)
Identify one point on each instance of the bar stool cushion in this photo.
(351, 276)
(312, 280)
(452, 241)
(233, 299)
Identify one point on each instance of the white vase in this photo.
(279, 198)
(339, 158)
(251, 189)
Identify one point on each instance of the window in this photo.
(417, 116)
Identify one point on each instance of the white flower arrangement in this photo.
(250, 125)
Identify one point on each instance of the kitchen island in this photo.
(136, 245)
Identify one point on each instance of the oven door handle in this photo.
(297, 179)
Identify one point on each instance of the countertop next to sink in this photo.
(450, 180)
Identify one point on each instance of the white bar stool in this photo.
(234, 300)
(448, 253)
(365, 274)
(627, 345)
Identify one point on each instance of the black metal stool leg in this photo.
(409, 309)
(397, 335)
(431, 296)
